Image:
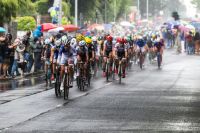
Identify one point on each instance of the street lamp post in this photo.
(147, 9)
(138, 6)
(60, 13)
(76, 12)
(115, 11)
(105, 12)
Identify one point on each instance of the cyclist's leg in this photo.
(116, 65)
(123, 67)
(62, 64)
(111, 60)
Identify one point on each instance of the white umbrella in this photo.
(126, 24)
(190, 27)
(56, 30)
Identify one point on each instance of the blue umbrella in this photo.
(2, 29)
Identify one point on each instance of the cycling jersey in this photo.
(65, 54)
(120, 48)
(82, 52)
(158, 45)
(141, 43)
(109, 47)
(149, 43)
(90, 50)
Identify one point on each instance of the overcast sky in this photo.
(191, 11)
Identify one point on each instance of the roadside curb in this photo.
(21, 77)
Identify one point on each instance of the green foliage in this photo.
(65, 21)
(66, 8)
(196, 3)
(42, 6)
(26, 8)
(155, 6)
(8, 9)
(12, 8)
(26, 23)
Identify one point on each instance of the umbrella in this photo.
(96, 26)
(126, 24)
(70, 28)
(190, 27)
(107, 26)
(56, 30)
(48, 26)
(2, 29)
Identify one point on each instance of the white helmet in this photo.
(58, 42)
(82, 43)
(73, 41)
(47, 41)
(64, 39)
(94, 38)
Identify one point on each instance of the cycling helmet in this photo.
(47, 41)
(109, 38)
(88, 40)
(80, 37)
(119, 40)
(73, 41)
(100, 38)
(124, 40)
(82, 43)
(58, 42)
(94, 38)
(64, 39)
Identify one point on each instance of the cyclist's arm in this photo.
(60, 55)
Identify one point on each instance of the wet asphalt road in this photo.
(150, 100)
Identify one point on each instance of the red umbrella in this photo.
(70, 28)
(48, 26)
(96, 26)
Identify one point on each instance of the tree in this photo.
(26, 23)
(26, 8)
(196, 3)
(7, 11)
(12, 8)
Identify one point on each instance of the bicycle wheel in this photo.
(89, 75)
(107, 72)
(113, 72)
(66, 87)
(141, 61)
(120, 73)
(159, 59)
(57, 85)
(82, 84)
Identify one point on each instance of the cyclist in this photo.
(159, 47)
(54, 52)
(108, 53)
(82, 55)
(65, 56)
(46, 55)
(141, 47)
(91, 53)
(120, 54)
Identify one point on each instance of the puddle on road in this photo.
(20, 83)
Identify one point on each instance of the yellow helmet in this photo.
(80, 37)
(88, 40)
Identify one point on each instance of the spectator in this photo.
(2, 52)
(28, 53)
(197, 42)
(16, 58)
(190, 44)
(37, 53)
(11, 52)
